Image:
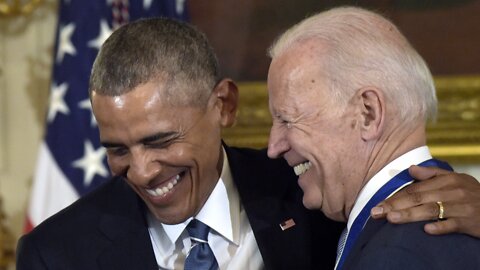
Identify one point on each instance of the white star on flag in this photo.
(57, 101)
(91, 163)
(65, 44)
(104, 32)
(147, 4)
(85, 104)
(180, 6)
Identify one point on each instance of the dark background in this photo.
(445, 32)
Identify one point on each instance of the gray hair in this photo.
(157, 49)
(366, 49)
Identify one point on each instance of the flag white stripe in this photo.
(51, 190)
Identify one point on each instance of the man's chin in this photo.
(170, 215)
(335, 215)
(171, 219)
(312, 203)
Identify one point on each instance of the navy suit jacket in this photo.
(107, 228)
(382, 245)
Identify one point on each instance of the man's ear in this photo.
(226, 98)
(372, 107)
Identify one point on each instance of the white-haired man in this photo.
(350, 99)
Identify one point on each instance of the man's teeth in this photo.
(161, 191)
(302, 168)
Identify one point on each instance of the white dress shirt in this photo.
(413, 157)
(231, 237)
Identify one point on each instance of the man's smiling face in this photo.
(170, 155)
(316, 136)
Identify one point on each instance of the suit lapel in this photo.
(279, 248)
(130, 250)
(125, 229)
(370, 229)
(267, 200)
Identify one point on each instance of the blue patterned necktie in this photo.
(201, 256)
(341, 243)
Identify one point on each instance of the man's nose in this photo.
(277, 143)
(143, 167)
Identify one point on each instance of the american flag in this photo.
(71, 161)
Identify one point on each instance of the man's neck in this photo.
(389, 147)
(396, 143)
(386, 174)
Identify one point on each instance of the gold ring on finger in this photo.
(441, 211)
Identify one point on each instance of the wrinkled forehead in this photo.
(144, 95)
(296, 77)
(141, 113)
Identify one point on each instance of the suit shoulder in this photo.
(395, 244)
(404, 234)
(75, 236)
(84, 213)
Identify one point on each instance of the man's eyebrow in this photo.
(111, 145)
(159, 136)
(149, 139)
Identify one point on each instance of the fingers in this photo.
(459, 193)
(440, 179)
(460, 218)
(424, 173)
(459, 188)
(419, 213)
(414, 198)
(441, 227)
(461, 225)
(430, 211)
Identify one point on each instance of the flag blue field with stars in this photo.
(71, 161)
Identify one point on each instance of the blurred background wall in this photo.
(25, 66)
(446, 33)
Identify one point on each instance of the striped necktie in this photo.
(341, 243)
(200, 256)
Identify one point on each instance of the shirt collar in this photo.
(413, 157)
(221, 212)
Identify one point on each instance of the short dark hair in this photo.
(157, 49)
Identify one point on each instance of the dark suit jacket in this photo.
(382, 245)
(107, 228)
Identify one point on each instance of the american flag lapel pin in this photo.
(287, 224)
